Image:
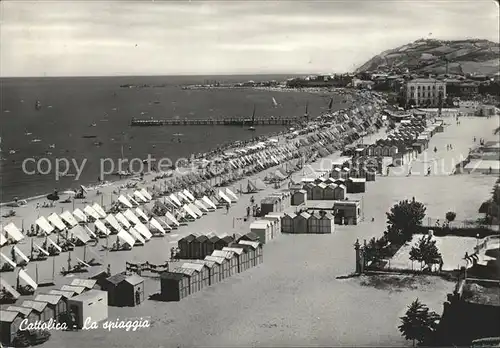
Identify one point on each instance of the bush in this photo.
(450, 216)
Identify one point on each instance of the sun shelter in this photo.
(209, 202)
(13, 232)
(174, 286)
(91, 304)
(146, 194)
(195, 209)
(130, 216)
(21, 254)
(69, 218)
(54, 244)
(143, 230)
(27, 279)
(122, 220)
(183, 197)
(10, 321)
(300, 222)
(79, 233)
(140, 197)
(101, 227)
(224, 198)
(201, 206)
(113, 222)
(190, 214)
(174, 199)
(80, 215)
(126, 238)
(56, 221)
(125, 201)
(124, 290)
(172, 219)
(242, 257)
(7, 287)
(257, 256)
(131, 200)
(231, 195)
(138, 211)
(155, 224)
(98, 209)
(137, 236)
(231, 259)
(89, 211)
(188, 195)
(54, 302)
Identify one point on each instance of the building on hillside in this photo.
(425, 92)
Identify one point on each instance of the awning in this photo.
(231, 194)
(44, 225)
(157, 225)
(140, 213)
(80, 215)
(13, 232)
(146, 194)
(69, 218)
(41, 249)
(9, 288)
(140, 196)
(113, 222)
(190, 212)
(56, 221)
(131, 216)
(126, 238)
(9, 261)
(54, 244)
(124, 201)
(21, 254)
(175, 200)
(79, 233)
(99, 210)
(122, 220)
(172, 219)
(224, 197)
(136, 235)
(200, 205)
(209, 202)
(24, 276)
(91, 212)
(143, 230)
(101, 227)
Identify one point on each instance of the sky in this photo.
(106, 38)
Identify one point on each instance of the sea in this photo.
(73, 108)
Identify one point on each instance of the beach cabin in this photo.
(299, 197)
(269, 205)
(308, 187)
(326, 223)
(241, 257)
(194, 278)
(76, 289)
(339, 192)
(92, 303)
(287, 223)
(275, 224)
(329, 191)
(40, 309)
(313, 223)
(65, 294)
(223, 266)
(214, 271)
(262, 228)
(56, 303)
(27, 313)
(211, 244)
(184, 245)
(300, 222)
(232, 262)
(356, 185)
(258, 255)
(174, 286)
(87, 284)
(10, 322)
(347, 212)
(317, 192)
(124, 290)
(250, 255)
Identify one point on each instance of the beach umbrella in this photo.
(53, 196)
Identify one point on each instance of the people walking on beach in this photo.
(474, 139)
(429, 171)
(451, 147)
(252, 200)
(435, 149)
(227, 208)
(409, 172)
(248, 211)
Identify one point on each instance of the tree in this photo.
(419, 323)
(403, 219)
(425, 251)
(450, 216)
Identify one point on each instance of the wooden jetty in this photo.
(215, 122)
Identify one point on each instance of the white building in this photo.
(425, 92)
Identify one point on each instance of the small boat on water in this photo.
(38, 105)
(89, 136)
(252, 124)
(36, 140)
(93, 125)
(156, 102)
(27, 133)
(98, 143)
(52, 146)
(12, 152)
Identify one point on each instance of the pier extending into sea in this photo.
(216, 122)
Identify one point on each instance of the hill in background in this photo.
(430, 56)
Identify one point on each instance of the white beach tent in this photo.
(231, 195)
(90, 232)
(101, 227)
(56, 221)
(133, 201)
(125, 201)
(183, 197)
(141, 214)
(113, 222)
(172, 219)
(158, 226)
(174, 199)
(44, 225)
(80, 233)
(126, 238)
(10, 289)
(209, 202)
(13, 232)
(142, 229)
(91, 212)
(24, 276)
(195, 209)
(9, 261)
(223, 196)
(3, 240)
(190, 212)
(188, 195)
(131, 217)
(140, 197)
(41, 249)
(146, 194)
(200, 205)
(122, 220)
(69, 218)
(54, 244)
(99, 210)
(80, 215)
(21, 254)
(136, 235)
(83, 262)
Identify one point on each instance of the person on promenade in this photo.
(429, 171)
(252, 200)
(248, 211)
(227, 208)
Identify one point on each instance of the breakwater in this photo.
(216, 122)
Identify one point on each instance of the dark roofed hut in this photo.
(124, 290)
(199, 248)
(174, 286)
(184, 245)
(9, 325)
